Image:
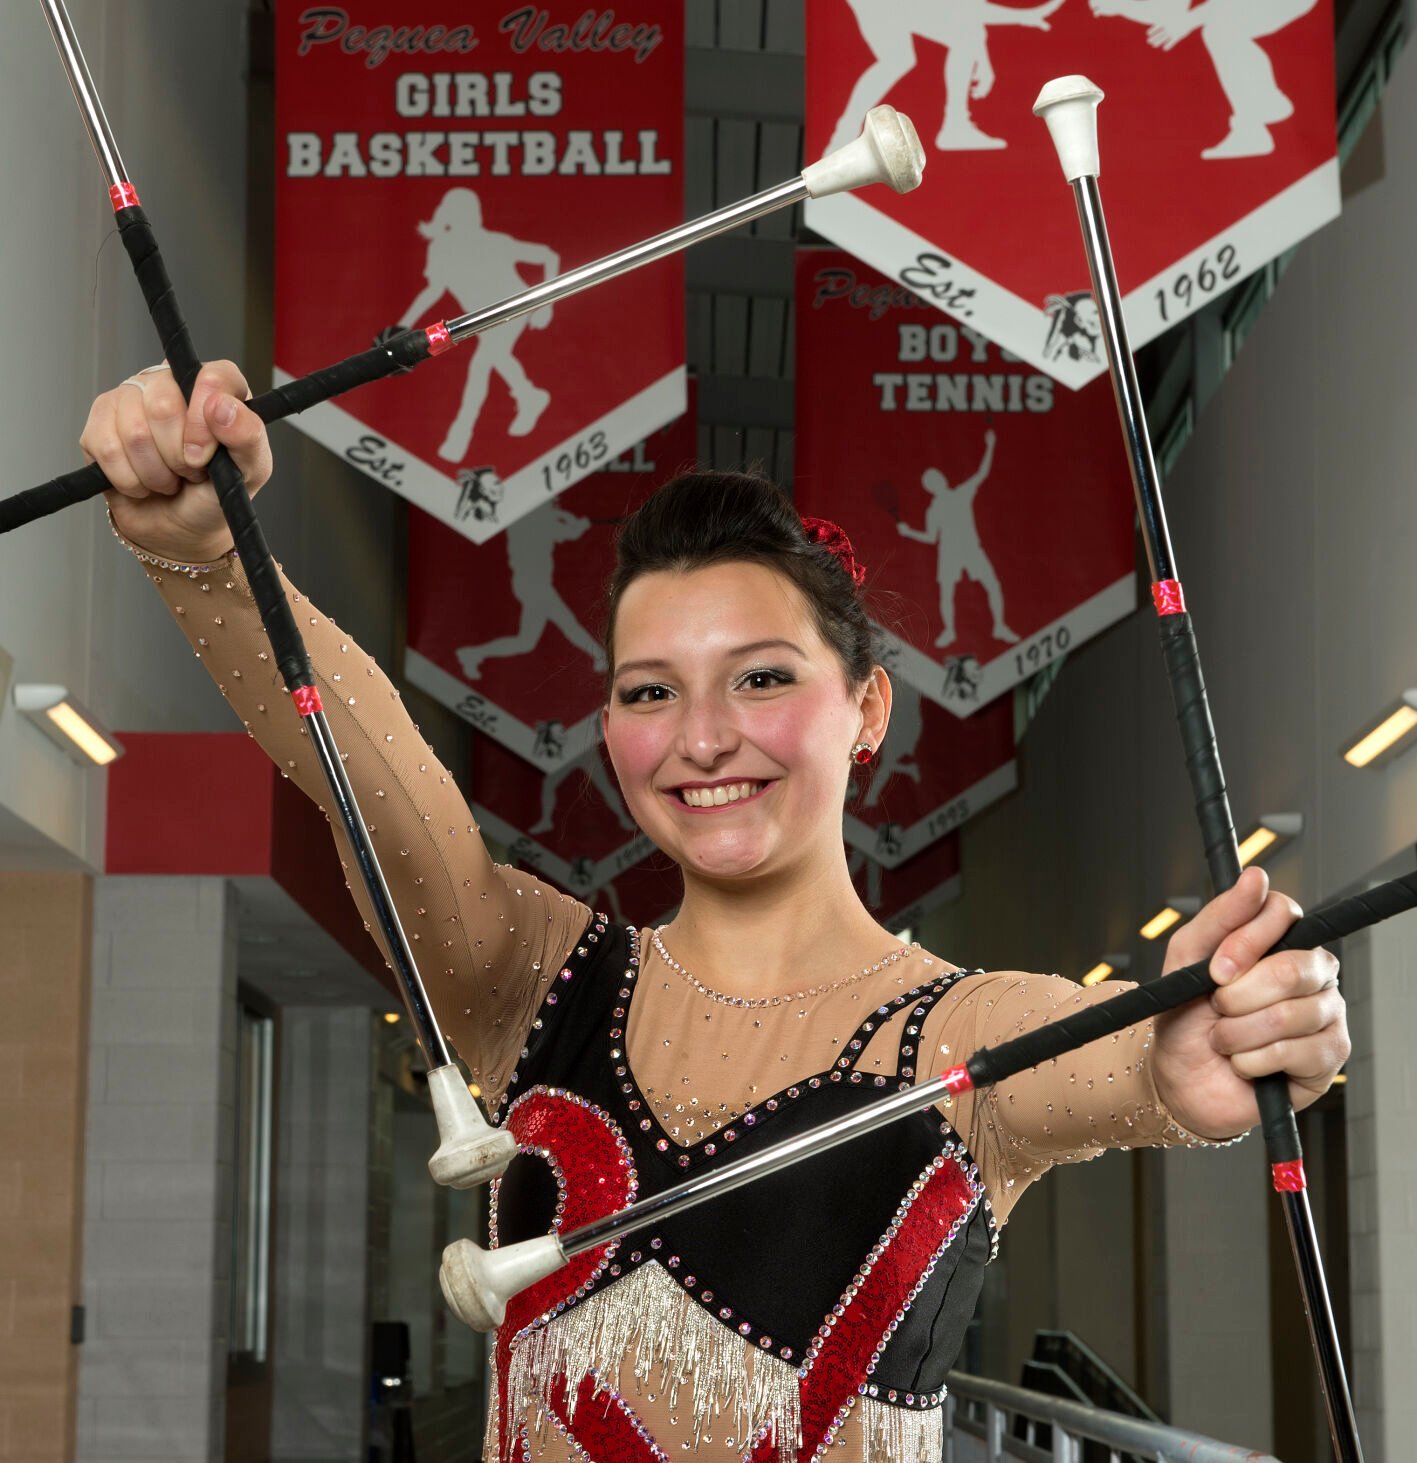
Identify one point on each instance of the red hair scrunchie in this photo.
(832, 537)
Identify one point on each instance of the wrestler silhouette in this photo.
(950, 526)
(959, 25)
(1074, 328)
(1230, 31)
(855, 862)
(898, 751)
(475, 265)
(531, 546)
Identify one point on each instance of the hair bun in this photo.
(832, 537)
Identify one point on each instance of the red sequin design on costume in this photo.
(857, 1330)
(1168, 597)
(606, 1428)
(833, 539)
(1289, 1177)
(123, 195)
(439, 339)
(307, 700)
(957, 1079)
(598, 1178)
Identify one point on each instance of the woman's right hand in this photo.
(153, 448)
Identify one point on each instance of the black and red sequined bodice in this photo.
(859, 1267)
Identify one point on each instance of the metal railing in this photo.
(1064, 1365)
(982, 1418)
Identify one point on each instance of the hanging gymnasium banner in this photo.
(430, 168)
(933, 772)
(506, 634)
(1217, 137)
(988, 498)
(901, 897)
(572, 826)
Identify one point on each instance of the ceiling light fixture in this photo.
(1389, 737)
(1273, 830)
(1176, 908)
(69, 724)
(1106, 968)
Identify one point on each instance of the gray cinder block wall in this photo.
(161, 1123)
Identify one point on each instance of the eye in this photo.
(766, 679)
(640, 695)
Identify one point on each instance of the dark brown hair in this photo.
(704, 518)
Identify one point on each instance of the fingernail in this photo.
(225, 410)
(192, 451)
(1222, 970)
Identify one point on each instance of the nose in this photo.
(707, 734)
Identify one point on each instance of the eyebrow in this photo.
(660, 665)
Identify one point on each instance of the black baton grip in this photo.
(1357, 912)
(276, 614)
(1277, 1120)
(402, 353)
(1281, 1131)
(1183, 671)
(61, 492)
(1058, 1038)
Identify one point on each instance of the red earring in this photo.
(862, 753)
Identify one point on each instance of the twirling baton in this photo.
(478, 1283)
(887, 151)
(471, 1150)
(1069, 107)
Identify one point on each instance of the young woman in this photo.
(825, 1304)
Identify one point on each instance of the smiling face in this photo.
(730, 722)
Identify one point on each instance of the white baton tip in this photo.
(1068, 104)
(478, 1283)
(887, 151)
(471, 1150)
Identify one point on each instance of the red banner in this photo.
(932, 773)
(1217, 141)
(903, 896)
(572, 826)
(507, 634)
(996, 504)
(437, 165)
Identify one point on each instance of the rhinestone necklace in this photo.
(757, 1002)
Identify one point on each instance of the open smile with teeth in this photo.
(722, 795)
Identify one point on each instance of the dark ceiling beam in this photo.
(745, 401)
(741, 265)
(755, 86)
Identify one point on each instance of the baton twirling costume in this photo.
(821, 1303)
(791, 1302)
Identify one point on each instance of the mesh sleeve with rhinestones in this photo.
(1069, 1109)
(487, 938)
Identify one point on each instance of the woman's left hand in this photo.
(1276, 1013)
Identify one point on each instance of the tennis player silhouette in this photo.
(959, 25)
(475, 265)
(1231, 31)
(950, 526)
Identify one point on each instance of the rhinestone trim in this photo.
(143, 556)
(713, 1145)
(758, 1003)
